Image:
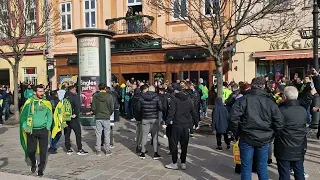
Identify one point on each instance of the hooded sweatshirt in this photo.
(182, 111)
(102, 105)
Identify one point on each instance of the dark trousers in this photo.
(55, 141)
(42, 136)
(180, 133)
(284, 169)
(74, 125)
(225, 137)
(169, 135)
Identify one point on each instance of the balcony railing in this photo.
(130, 25)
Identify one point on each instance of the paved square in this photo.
(203, 161)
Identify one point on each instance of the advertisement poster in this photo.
(89, 86)
(89, 56)
(68, 79)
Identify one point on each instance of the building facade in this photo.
(135, 51)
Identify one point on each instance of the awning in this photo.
(283, 55)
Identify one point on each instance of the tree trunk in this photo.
(16, 92)
(219, 75)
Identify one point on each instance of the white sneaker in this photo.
(111, 146)
(133, 120)
(183, 166)
(172, 166)
(306, 175)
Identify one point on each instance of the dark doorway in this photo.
(4, 77)
(136, 76)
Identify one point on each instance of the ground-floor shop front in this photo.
(283, 63)
(33, 69)
(145, 66)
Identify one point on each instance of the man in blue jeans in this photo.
(255, 118)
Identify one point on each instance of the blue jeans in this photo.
(246, 154)
(55, 141)
(309, 115)
(284, 169)
(7, 110)
(128, 108)
(203, 107)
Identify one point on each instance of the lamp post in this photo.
(313, 33)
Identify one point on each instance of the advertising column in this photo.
(94, 66)
(88, 71)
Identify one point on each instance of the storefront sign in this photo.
(88, 87)
(89, 56)
(121, 46)
(295, 44)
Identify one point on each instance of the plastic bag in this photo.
(236, 153)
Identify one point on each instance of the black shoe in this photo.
(219, 148)
(318, 135)
(138, 150)
(82, 152)
(52, 151)
(228, 147)
(142, 156)
(33, 168)
(269, 161)
(40, 173)
(69, 151)
(156, 156)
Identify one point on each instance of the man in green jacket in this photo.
(35, 124)
(28, 93)
(204, 97)
(102, 107)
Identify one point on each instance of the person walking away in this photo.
(204, 97)
(149, 105)
(180, 115)
(220, 123)
(290, 146)
(35, 124)
(255, 118)
(197, 99)
(194, 99)
(163, 114)
(168, 129)
(138, 116)
(28, 93)
(102, 108)
(126, 96)
(74, 123)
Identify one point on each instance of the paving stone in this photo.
(147, 177)
(137, 175)
(90, 174)
(102, 177)
(158, 172)
(124, 175)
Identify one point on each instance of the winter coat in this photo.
(291, 143)
(219, 117)
(256, 117)
(149, 105)
(182, 111)
(102, 105)
(135, 100)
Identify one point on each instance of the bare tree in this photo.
(218, 25)
(21, 21)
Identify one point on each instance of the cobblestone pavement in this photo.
(204, 162)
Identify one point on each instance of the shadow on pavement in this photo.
(3, 162)
(3, 130)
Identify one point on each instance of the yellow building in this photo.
(29, 31)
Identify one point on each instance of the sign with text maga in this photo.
(88, 86)
(89, 56)
(294, 44)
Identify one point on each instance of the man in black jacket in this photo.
(291, 144)
(196, 100)
(149, 105)
(255, 118)
(180, 115)
(74, 124)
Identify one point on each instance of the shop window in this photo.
(194, 76)
(174, 77)
(278, 71)
(184, 75)
(205, 76)
(30, 75)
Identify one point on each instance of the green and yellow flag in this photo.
(61, 114)
(26, 117)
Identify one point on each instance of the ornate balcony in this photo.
(130, 25)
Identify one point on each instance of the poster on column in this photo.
(89, 56)
(89, 86)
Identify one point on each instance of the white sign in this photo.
(89, 56)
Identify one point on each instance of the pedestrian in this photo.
(3, 104)
(74, 123)
(115, 114)
(180, 115)
(194, 96)
(138, 115)
(149, 105)
(102, 107)
(204, 97)
(220, 123)
(35, 124)
(290, 146)
(255, 118)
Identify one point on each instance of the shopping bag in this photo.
(236, 153)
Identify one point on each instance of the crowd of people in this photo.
(256, 115)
